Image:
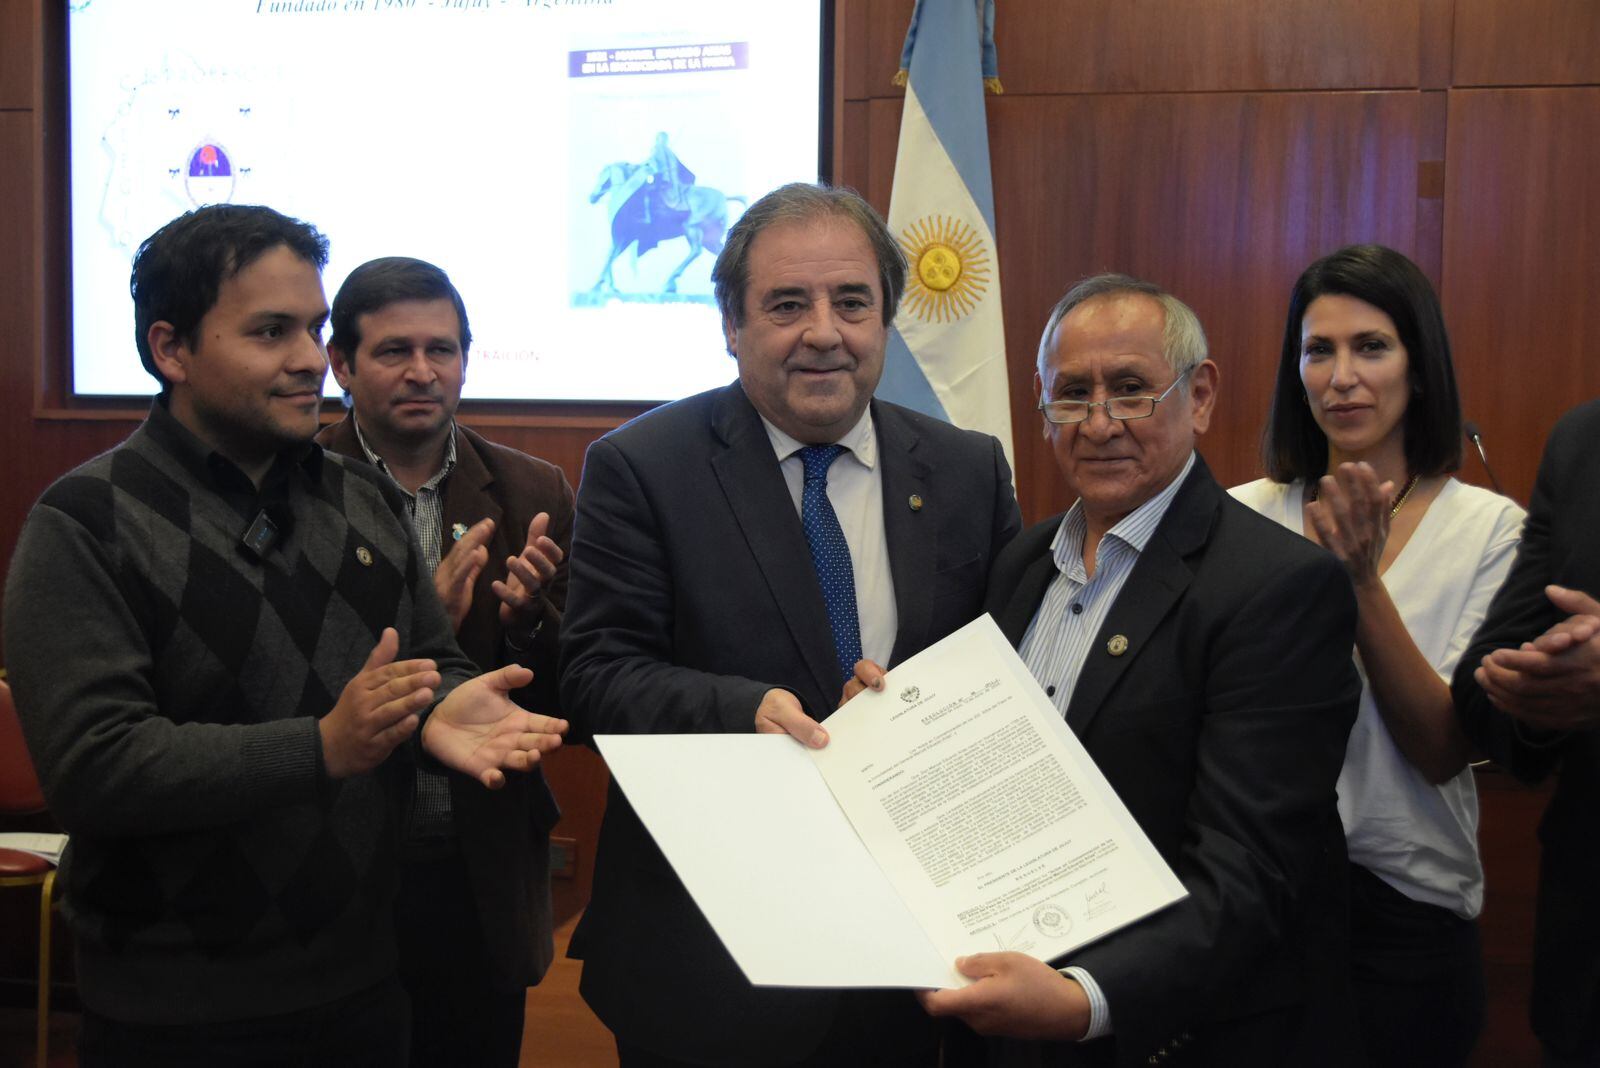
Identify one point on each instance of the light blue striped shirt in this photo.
(1069, 618)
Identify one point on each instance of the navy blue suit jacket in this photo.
(692, 594)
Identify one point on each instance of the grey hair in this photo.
(805, 202)
(1183, 340)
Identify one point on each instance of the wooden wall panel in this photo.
(1432, 127)
(1180, 46)
(885, 30)
(1526, 42)
(883, 134)
(1435, 44)
(18, 26)
(850, 21)
(1222, 198)
(852, 145)
(1522, 264)
(1509, 843)
(578, 779)
(17, 281)
(34, 453)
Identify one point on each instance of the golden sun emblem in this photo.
(949, 268)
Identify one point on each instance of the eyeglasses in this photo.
(1141, 406)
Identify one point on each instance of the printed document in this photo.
(953, 812)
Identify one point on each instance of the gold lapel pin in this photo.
(915, 502)
(458, 531)
(1117, 645)
(364, 554)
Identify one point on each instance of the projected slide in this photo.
(573, 164)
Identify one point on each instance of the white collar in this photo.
(859, 439)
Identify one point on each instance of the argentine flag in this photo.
(947, 353)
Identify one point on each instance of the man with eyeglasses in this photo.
(1203, 657)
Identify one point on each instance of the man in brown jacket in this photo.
(494, 524)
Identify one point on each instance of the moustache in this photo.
(300, 382)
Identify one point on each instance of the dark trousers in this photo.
(1565, 1007)
(459, 1014)
(1418, 976)
(365, 1030)
(872, 1029)
(1580, 1059)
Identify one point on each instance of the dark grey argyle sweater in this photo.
(169, 686)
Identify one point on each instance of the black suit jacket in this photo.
(1222, 727)
(1558, 546)
(504, 834)
(693, 593)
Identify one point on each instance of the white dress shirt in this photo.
(855, 489)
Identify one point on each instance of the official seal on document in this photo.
(1052, 920)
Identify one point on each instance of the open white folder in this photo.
(41, 844)
(953, 812)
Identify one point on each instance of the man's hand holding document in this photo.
(951, 812)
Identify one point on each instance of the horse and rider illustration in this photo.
(658, 201)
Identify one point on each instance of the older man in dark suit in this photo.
(1528, 692)
(474, 920)
(735, 554)
(1203, 657)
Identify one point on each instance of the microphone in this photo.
(271, 525)
(261, 535)
(1475, 436)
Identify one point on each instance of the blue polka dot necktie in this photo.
(830, 554)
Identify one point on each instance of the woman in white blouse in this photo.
(1364, 431)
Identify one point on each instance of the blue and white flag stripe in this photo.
(946, 355)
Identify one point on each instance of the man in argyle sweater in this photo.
(204, 629)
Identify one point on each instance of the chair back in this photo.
(19, 783)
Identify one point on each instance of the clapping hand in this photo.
(527, 574)
(1351, 518)
(480, 731)
(1552, 682)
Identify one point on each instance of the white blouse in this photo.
(1420, 838)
